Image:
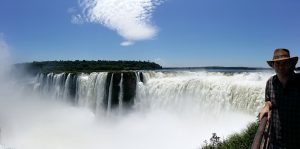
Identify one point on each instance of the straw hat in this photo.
(282, 54)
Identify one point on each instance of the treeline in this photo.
(87, 66)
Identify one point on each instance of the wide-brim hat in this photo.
(282, 54)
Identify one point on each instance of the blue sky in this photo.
(170, 32)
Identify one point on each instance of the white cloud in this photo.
(129, 18)
(77, 19)
(127, 43)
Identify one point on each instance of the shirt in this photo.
(285, 112)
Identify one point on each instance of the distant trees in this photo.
(87, 66)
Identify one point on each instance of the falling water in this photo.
(100, 91)
(66, 94)
(202, 91)
(121, 94)
(167, 90)
(110, 95)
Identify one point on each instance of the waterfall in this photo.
(110, 95)
(121, 94)
(90, 90)
(171, 90)
(51, 84)
(59, 84)
(137, 75)
(140, 91)
(202, 91)
(66, 93)
(100, 91)
(85, 90)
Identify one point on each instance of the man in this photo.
(282, 102)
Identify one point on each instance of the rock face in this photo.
(120, 85)
(129, 84)
(72, 87)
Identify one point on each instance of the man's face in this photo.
(282, 67)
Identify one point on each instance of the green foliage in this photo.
(236, 141)
(88, 66)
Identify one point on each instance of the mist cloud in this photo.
(4, 56)
(131, 19)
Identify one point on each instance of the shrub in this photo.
(241, 140)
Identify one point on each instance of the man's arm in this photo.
(266, 110)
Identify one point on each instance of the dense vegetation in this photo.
(236, 141)
(87, 66)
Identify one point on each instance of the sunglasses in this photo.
(281, 63)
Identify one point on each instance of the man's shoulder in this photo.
(271, 79)
(297, 77)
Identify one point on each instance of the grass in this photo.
(241, 140)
